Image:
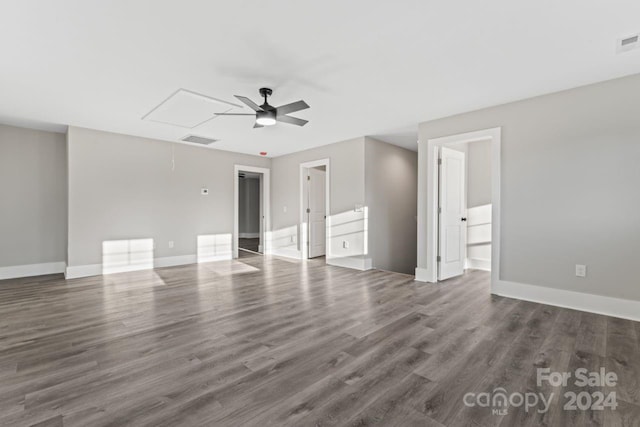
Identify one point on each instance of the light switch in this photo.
(581, 270)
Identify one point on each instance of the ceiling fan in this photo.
(267, 115)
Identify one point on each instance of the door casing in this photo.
(316, 178)
(265, 197)
(302, 228)
(428, 206)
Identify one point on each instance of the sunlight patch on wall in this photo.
(479, 237)
(127, 255)
(214, 247)
(284, 241)
(349, 233)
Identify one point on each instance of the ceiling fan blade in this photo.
(234, 114)
(292, 108)
(249, 103)
(257, 126)
(291, 120)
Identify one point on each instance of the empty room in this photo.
(296, 213)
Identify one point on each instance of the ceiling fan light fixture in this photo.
(265, 121)
(266, 118)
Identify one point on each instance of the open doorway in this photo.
(463, 205)
(314, 208)
(251, 210)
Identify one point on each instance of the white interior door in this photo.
(316, 212)
(452, 217)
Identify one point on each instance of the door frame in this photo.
(433, 147)
(303, 226)
(265, 226)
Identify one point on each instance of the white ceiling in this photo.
(365, 67)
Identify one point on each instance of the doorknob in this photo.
(463, 219)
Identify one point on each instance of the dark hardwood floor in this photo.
(269, 341)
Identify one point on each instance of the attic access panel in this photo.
(188, 109)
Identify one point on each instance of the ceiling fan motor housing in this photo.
(266, 117)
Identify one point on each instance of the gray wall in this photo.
(347, 190)
(478, 174)
(249, 206)
(123, 187)
(373, 202)
(569, 186)
(391, 196)
(33, 203)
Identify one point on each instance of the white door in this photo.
(316, 212)
(452, 218)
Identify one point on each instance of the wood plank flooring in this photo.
(267, 341)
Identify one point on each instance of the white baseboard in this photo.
(355, 262)
(422, 275)
(478, 264)
(77, 271)
(28, 270)
(212, 258)
(286, 252)
(248, 235)
(74, 272)
(608, 306)
(171, 261)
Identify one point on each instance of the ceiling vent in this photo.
(628, 43)
(199, 140)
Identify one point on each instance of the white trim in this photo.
(478, 264)
(428, 273)
(266, 208)
(212, 258)
(359, 262)
(171, 261)
(287, 253)
(77, 271)
(303, 230)
(608, 306)
(74, 272)
(248, 235)
(29, 270)
(422, 275)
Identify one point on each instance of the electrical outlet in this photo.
(345, 244)
(581, 270)
(170, 244)
(284, 209)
